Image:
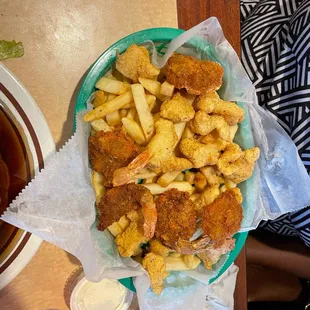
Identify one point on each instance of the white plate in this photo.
(32, 125)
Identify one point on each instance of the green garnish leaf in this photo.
(11, 49)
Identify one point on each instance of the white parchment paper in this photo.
(58, 205)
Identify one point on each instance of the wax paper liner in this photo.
(58, 205)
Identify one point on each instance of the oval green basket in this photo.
(160, 37)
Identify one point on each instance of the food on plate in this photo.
(199, 154)
(211, 256)
(119, 201)
(109, 151)
(162, 144)
(212, 103)
(177, 109)
(156, 267)
(203, 124)
(182, 262)
(135, 62)
(196, 76)
(176, 217)
(222, 218)
(165, 165)
(176, 164)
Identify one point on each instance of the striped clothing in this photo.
(275, 38)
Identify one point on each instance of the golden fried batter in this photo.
(156, 268)
(197, 76)
(212, 103)
(212, 255)
(176, 217)
(109, 151)
(222, 218)
(203, 124)
(135, 62)
(130, 239)
(176, 164)
(119, 201)
(198, 153)
(162, 144)
(177, 109)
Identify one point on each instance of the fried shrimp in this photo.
(109, 151)
(176, 217)
(121, 200)
(222, 218)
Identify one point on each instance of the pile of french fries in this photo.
(134, 108)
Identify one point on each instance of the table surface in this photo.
(61, 40)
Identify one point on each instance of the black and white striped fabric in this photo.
(275, 37)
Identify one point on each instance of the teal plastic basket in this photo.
(160, 37)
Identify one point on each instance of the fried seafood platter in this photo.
(165, 165)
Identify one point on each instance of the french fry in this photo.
(113, 118)
(200, 181)
(148, 181)
(179, 129)
(181, 263)
(97, 180)
(156, 189)
(100, 98)
(118, 76)
(194, 197)
(115, 229)
(180, 177)
(110, 97)
(187, 133)
(151, 100)
(109, 107)
(123, 222)
(153, 87)
(210, 174)
(230, 184)
(143, 110)
(123, 113)
(145, 174)
(109, 75)
(129, 105)
(132, 113)
(100, 124)
(134, 130)
(112, 86)
(167, 178)
(166, 89)
(190, 177)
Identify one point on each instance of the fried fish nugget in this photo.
(196, 76)
(203, 124)
(222, 218)
(244, 166)
(162, 144)
(135, 62)
(213, 138)
(176, 164)
(230, 111)
(155, 266)
(207, 102)
(212, 103)
(177, 109)
(198, 153)
(176, 217)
